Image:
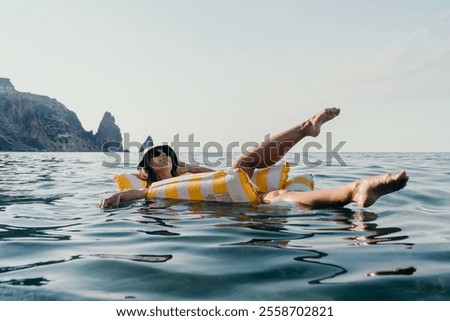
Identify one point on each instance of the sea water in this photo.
(56, 244)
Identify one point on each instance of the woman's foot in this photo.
(366, 191)
(315, 122)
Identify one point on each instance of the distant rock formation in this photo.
(30, 122)
(147, 143)
(108, 136)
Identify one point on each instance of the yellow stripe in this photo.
(261, 180)
(247, 186)
(122, 182)
(151, 193)
(195, 189)
(219, 185)
(301, 180)
(284, 174)
(171, 191)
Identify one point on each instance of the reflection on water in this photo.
(5, 269)
(288, 231)
(27, 282)
(138, 258)
(39, 281)
(281, 228)
(159, 232)
(56, 242)
(27, 199)
(8, 233)
(398, 271)
(287, 226)
(344, 219)
(364, 221)
(313, 257)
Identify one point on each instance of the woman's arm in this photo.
(187, 168)
(128, 195)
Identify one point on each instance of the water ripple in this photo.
(56, 244)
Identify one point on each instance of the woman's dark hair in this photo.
(152, 152)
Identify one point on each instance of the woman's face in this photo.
(160, 160)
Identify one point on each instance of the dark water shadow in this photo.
(6, 269)
(40, 281)
(317, 255)
(9, 232)
(6, 199)
(146, 258)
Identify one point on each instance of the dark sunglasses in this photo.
(156, 153)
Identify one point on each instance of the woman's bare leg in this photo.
(365, 192)
(268, 152)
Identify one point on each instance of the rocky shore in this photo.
(30, 122)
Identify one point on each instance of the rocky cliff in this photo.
(30, 122)
(108, 135)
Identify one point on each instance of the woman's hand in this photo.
(128, 195)
(112, 201)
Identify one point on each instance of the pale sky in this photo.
(237, 70)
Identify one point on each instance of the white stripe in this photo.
(135, 182)
(161, 192)
(235, 188)
(273, 179)
(207, 187)
(182, 189)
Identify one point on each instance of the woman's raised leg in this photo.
(364, 192)
(270, 151)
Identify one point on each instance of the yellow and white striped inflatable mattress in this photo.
(229, 186)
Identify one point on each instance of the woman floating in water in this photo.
(161, 162)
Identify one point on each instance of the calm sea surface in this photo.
(56, 244)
